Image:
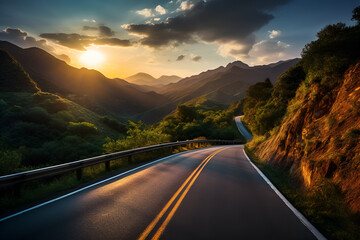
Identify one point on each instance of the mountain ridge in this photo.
(88, 88)
(146, 79)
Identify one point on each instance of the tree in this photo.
(9, 161)
(82, 129)
(356, 15)
(186, 113)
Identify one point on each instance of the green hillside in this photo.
(42, 128)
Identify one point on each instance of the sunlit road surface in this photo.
(212, 193)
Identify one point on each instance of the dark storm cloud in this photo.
(79, 42)
(196, 58)
(219, 21)
(104, 31)
(180, 58)
(22, 39)
(89, 28)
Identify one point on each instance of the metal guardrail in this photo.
(22, 177)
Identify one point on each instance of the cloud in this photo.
(79, 42)
(268, 47)
(267, 51)
(186, 5)
(274, 33)
(216, 21)
(196, 58)
(159, 9)
(146, 12)
(157, 19)
(89, 20)
(263, 52)
(22, 39)
(180, 58)
(104, 31)
(88, 28)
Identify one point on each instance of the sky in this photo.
(168, 37)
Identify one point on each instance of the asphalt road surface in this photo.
(242, 128)
(211, 193)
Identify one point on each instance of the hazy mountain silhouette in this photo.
(87, 87)
(148, 80)
(222, 85)
(233, 80)
(93, 90)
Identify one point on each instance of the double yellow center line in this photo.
(193, 176)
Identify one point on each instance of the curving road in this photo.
(211, 193)
(242, 129)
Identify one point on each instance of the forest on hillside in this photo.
(42, 129)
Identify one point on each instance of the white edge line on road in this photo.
(298, 214)
(92, 185)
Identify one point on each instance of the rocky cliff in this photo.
(319, 138)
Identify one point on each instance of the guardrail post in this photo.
(107, 165)
(130, 159)
(79, 173)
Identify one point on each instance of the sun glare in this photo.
(92, 58)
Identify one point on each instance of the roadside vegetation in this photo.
(319, 177)
(324, 62)
(41, 130)
(198, 119)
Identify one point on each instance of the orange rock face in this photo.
(321, 139)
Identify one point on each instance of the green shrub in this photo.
(54, 105)
(65, 115)
(257, 140)
(294, 105)
(186, 113)
(36, 115)
(50, 102)
(9, 162)
(137, 137)
(265, 107)
(114, 124)
(82, 129)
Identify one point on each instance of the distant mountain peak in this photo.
(238, 64)
(142, 78)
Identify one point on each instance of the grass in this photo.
(323, 205)
(40, 190)
(257, 139)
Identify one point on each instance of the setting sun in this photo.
(92, 58)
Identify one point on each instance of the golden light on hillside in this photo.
(92, 58)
